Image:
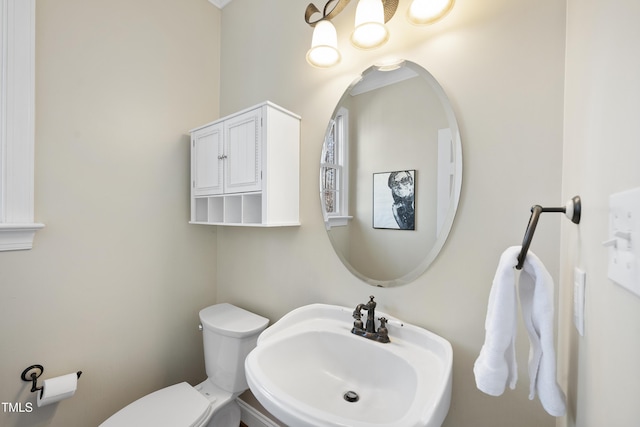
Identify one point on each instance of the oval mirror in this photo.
(391, 174)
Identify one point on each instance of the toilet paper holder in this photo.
(36, 371)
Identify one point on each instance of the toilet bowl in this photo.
(229, 334)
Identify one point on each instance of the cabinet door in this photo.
(243, 142)
(207, 160)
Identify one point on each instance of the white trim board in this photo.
(252, 417)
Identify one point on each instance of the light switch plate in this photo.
(624, 239)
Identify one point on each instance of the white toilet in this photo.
(229, 334)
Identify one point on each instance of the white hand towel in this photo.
(496, 365)
(536, 300)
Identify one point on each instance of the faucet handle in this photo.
(358, 324)
(357, 315)
(383, 326)
(383, 332)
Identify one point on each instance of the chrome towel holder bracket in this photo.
(573, 211)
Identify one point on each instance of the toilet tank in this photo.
(229, 333)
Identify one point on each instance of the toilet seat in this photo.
(179, 405)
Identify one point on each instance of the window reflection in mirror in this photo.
(334, 171)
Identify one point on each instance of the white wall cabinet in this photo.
(245, 169)
(17, 138)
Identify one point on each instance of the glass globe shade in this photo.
(427, 11)
(370, 31)
(324, 51)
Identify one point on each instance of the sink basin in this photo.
(309, 370)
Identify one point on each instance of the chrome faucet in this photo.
(369, 331)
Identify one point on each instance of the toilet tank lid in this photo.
(229, 320)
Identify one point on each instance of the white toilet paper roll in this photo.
(57, 388)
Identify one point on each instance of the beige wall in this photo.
(601, 153)
(502, 65)
(115, 281)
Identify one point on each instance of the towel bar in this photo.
(572, 210)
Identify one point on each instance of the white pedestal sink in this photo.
(309, 370)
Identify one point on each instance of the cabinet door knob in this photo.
(222, 157)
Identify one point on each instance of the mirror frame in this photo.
(456, 188)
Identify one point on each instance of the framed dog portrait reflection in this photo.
(394, 200)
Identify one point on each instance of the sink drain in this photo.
(351, 396)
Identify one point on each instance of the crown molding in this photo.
(219, 3)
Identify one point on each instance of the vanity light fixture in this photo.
(370, 30)
(423, 12)
(324, 51)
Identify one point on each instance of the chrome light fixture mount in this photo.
(370, 30)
